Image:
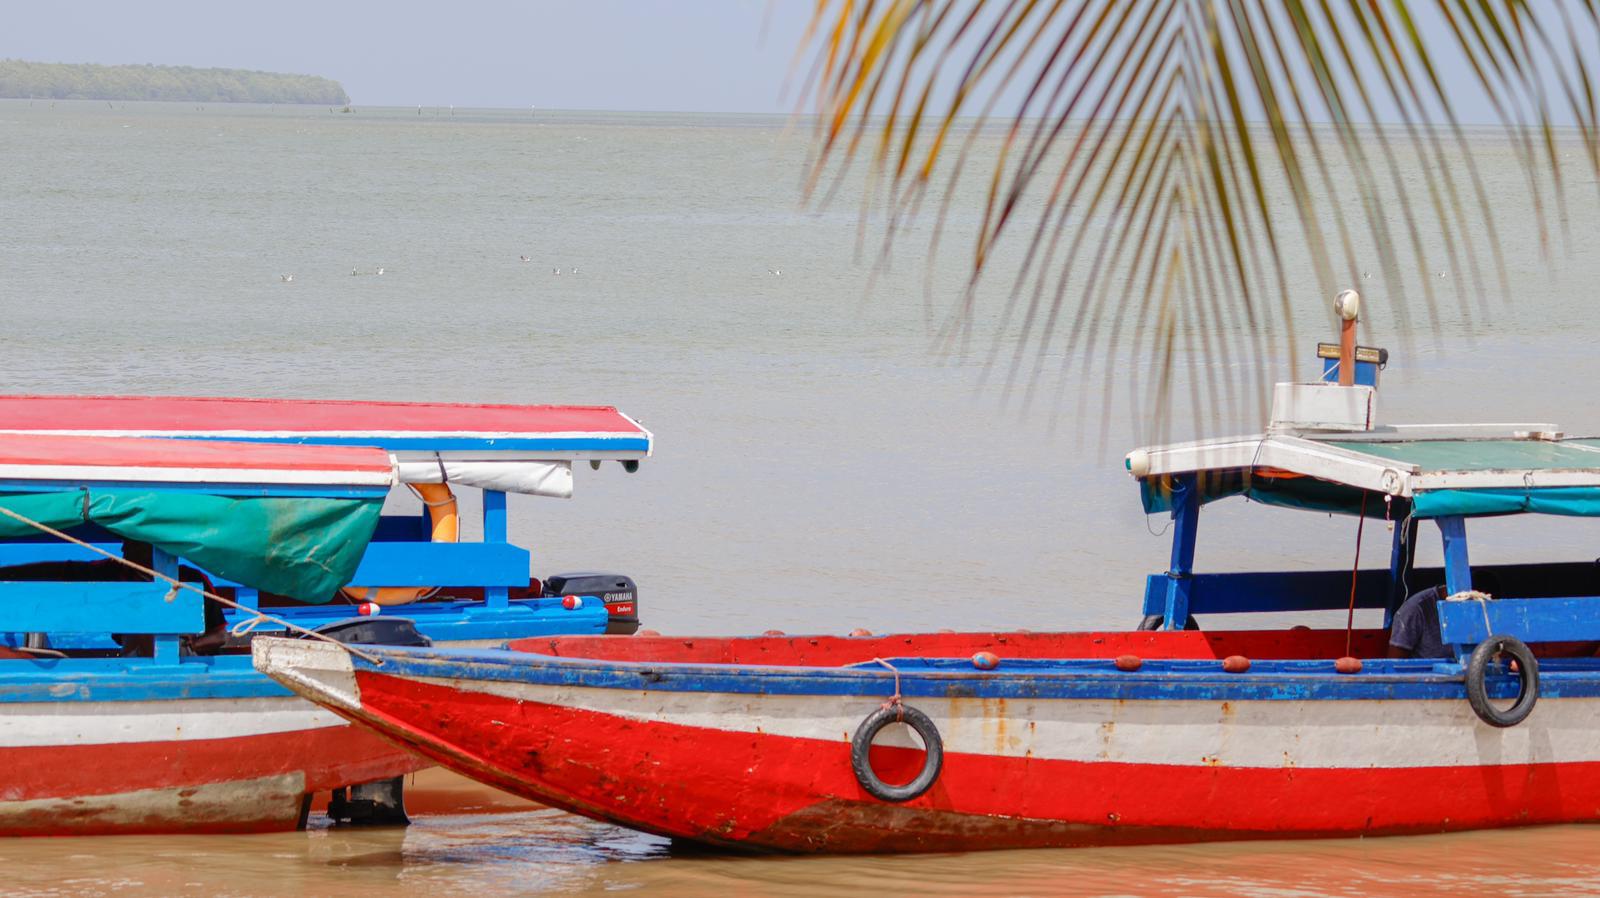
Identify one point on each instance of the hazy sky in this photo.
(689, 55)
(693, 55)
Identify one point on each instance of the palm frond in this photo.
(1189, 176)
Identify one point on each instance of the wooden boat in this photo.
(457, 592)
(97, 743)
(943, 742)
(112, 721)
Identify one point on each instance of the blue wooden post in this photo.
(1457, 570)
(495, 531)
(1186, 520)
(247, 596)
(1401, 556)
(165, 644)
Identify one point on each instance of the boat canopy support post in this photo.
(495, 530)
(1457, 571)
(1402, 556)
(165, 645)
(1185, 521)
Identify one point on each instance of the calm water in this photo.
(817, 468)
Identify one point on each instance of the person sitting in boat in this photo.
(1414, 632)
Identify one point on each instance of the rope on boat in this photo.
(1483, 599)
(894, 700)
(245, 626)
(920, 723)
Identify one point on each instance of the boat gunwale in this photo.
(1191, 680)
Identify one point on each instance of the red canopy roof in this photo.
(98, 459)
(548, 429)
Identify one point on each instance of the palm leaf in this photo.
(1168, 164)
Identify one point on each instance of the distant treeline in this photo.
(56, 81)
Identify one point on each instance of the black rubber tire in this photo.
(861, 744)
(1477, 686)
(1154, 621)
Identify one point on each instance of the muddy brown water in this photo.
(817, 468)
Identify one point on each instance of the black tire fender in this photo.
(1476, 676)
(861, 745)
(1154, 622)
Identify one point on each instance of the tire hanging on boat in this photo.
(861, 746)
(446, 528)
(1154, 622)
(1477, 681)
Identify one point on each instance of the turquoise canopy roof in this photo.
(1426, 476)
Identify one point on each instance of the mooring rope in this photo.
(1483, 599)
(239, 629)
(894, 700)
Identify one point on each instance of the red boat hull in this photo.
(154, 778)
(772, 771)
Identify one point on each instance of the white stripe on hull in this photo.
(1322, 734)
(37, 724)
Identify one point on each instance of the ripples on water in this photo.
(555, 853)
(817, 469)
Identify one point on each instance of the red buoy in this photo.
(1129, 662)
(985, 660)
(771, 632)
(369, 609)
(1236, 664)
(571, 602)
(1347, 665)
(859, 631)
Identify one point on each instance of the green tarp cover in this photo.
(301, 547)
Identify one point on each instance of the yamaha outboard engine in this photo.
(619, 593)
(380, 803)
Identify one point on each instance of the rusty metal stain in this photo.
(251, 805)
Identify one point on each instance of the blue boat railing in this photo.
(82, 615)
(1273, 591)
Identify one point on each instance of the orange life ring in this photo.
(441, 504)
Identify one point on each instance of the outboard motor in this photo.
(619, 593)
(380, 803)
(374, 631)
